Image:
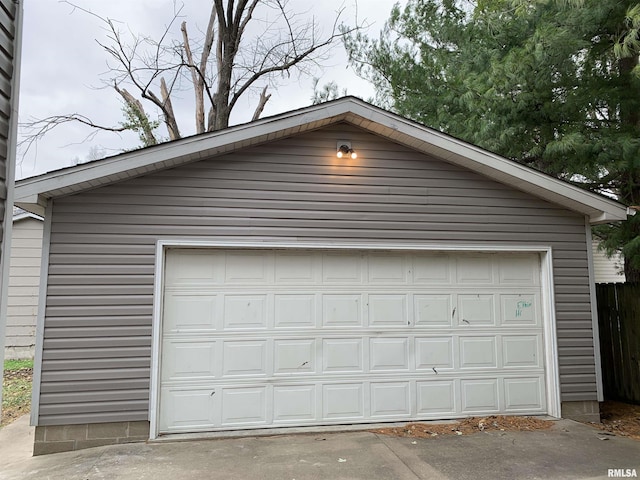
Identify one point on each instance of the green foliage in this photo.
(10, 365)
(553, 84)
(16, 389)
(137, 121)
(329, 91)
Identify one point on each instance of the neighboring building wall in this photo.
(10, 45)
(24, 278)
(605, 269)
(97, 332)
(8, 31)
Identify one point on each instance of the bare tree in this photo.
(246, 46)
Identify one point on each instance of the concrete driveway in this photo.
(568, 451)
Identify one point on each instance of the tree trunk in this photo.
(631, 274)
(223, 93)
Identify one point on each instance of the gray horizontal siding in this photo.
(22, 300)
(101, 266)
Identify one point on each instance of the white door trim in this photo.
(552, 381)
(594, 312)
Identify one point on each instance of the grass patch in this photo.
(17, 364)
(16, 390)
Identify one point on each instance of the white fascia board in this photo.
(24, 215)
(598, 208)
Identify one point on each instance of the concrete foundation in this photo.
(19, 353)
(64, 438)
(583, 411)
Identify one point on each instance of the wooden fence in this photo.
(619, 322)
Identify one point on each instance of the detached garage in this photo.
(250, 278)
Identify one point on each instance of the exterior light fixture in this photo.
(345, 150)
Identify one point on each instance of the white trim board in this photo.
(31, 192)
(24, 215)
(552, 378)
(42, 307)
(594, 313)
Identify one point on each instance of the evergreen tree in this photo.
(553, 84)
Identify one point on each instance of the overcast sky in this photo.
(63, 67)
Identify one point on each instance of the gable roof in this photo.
(32, 193)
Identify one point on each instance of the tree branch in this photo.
(264, 98)
(170, 119)
(39, 128)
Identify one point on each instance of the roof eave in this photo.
(33, 193)
(148, 160)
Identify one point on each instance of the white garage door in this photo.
(255, 338)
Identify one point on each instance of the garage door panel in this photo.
(188, 358)
(521, 351)
(342, 355)
(478, 353)
(474, 270)
(479, 396)
(248, 358)
(436, 397)
(434, 353)
(295, 268)
(523, 394)
(476, 310)
(187, 409)
(247, 267)
(262, 338)
(245, 312)
(194, 268)
(432, 270)
(343, 401)
(389, 354)
(190, 311)
(388, 310)
(295, 311)
(520, 309)
(295, 357)
(294, 403)
(341, 268)
(433, 310)
(519, 270)
(387, 268)
(390, 399)
(244, 405)
(342, 310)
